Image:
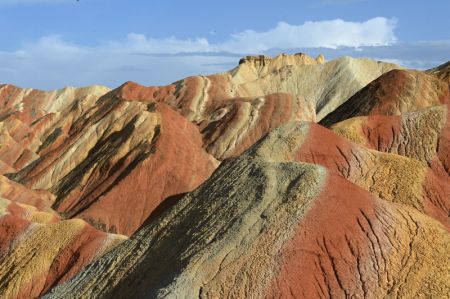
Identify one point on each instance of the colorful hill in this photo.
(283, 177)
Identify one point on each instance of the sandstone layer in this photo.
(39, 251)
(258, 224)
(394, 93)
(286, 176)
(133, 156)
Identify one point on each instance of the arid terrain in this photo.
(285, 177)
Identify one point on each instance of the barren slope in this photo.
(113, 164)
(357, 209)
(388, 176)
(38, 251)
(260, 94)
(423, 135)
(394, 93)
(325, 85)
(258, 224)
(442, 72)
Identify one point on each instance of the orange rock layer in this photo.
(228, 187)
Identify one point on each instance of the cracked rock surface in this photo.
(258, 224)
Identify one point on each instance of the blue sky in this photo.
(53, 43)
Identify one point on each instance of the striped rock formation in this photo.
(236, 124)
(28, 118)
(133, 156)
(264, 227)
(85, 144)
(423, 135)
(442, 72)
(38, 250)
(388, 176)
(394, 93)
(325, 85)
(245, 103)
(18, 193)
(359, 208)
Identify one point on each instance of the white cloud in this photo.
(140, 43)
(52, 62)
(330, 34)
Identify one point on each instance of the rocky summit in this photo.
(284, 177)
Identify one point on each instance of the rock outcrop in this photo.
(286, 176)
(394, 93)
(442, 72)
(133, 156)
(258, 224)
(388, 176)
(18, 193)
(325, 85)
(28, 119)
(38, 250)
(236, 124)
(260, 94)
(423, 135)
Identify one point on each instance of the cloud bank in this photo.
(52, 62)
(329, 34)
